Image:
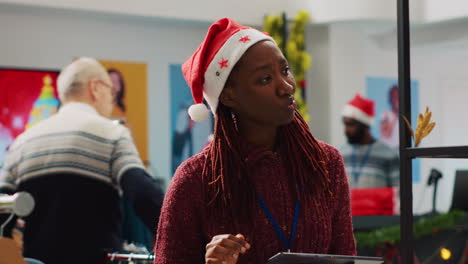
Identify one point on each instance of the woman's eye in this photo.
(265, 79)
(286, 70)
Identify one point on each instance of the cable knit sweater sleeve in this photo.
(179, 236)
(343, 242)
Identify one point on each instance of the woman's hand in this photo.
(225, 249)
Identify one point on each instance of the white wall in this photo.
(338, 10)
(436, 10)
(44, 38)
(318, 80)
(245, 11)
(347, 69)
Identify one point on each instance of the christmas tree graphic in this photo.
(46, 105)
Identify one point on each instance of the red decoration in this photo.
(223, 63)
(20, 89)
(244, 39)
(303, 84)
(372, 201)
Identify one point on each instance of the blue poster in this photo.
(188, 137)
(384, 91)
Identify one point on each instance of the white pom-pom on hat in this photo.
(198, 112)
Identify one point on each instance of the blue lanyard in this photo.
(286, 243)
(365, 157)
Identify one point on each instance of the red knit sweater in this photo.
(324, 226)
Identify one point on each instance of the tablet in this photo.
(306, 258)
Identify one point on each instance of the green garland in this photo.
(298, 58)
(423, 227)
(274, 26)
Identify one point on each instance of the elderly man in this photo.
(76, 164)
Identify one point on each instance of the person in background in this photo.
(75, 164)
(389, 121)
(118, 86)
(264, 184)
(369, 162)
(182, 137)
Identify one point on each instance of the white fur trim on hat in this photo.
(198, 112)
(358, 114)
(230, 53)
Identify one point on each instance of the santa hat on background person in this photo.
(361, 109)
(207, 70)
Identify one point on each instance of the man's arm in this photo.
(138, 187)
(145, 195)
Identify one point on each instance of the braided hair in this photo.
(225, 177)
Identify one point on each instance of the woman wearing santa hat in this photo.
(264, 184)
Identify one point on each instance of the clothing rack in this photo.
(130, 257)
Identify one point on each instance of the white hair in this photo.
(74, 77)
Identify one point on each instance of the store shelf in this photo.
(453, 152)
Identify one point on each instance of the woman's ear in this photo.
(93, 90)
(227, 97)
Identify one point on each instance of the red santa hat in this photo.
(361, 109)
(207, 70)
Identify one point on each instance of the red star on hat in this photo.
(223, 63)
(244, 39)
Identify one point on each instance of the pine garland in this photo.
(298, 58)
(423, 227)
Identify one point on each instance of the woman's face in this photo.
(115, 78)
(261, 87)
